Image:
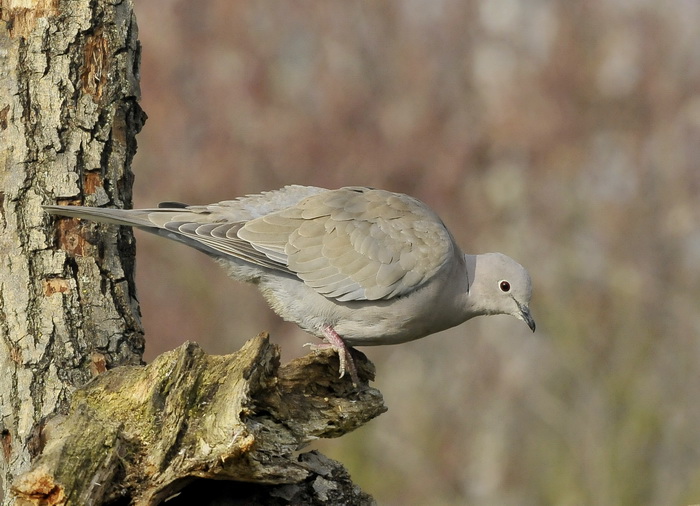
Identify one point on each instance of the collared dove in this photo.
(353, 266)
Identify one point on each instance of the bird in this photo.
(353, 266)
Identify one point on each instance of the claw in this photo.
(333, 341)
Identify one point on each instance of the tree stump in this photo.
(139, 434)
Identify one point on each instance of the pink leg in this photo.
(333, 341)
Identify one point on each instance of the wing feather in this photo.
(356, 243)
(349, 244)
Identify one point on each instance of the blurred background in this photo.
(564, 134)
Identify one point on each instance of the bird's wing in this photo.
(210, 228)
(348, 244)
(354, 243)
(216, 226)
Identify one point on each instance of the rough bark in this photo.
(138, 435)
(68, 120)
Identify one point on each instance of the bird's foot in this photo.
(333, 341)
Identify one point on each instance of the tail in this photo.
(149, 220)
(129, 217)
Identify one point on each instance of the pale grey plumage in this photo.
(372, 266)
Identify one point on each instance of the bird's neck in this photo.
(472, 295)
(470, 267)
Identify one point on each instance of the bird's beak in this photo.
(525, 316)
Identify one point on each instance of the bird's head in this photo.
(500, 285)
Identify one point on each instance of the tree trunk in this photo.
(69, 115)
(68, 119)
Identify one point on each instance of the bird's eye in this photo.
(504, 286)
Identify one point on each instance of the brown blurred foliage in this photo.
(563, 133)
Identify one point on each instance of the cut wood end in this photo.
(38, 487)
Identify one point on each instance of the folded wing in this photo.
(348, 244)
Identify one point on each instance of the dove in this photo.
(353, 266)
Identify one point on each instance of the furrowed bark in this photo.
(68, 120)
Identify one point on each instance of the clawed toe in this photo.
(333, 341)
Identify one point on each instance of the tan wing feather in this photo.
(355, 243)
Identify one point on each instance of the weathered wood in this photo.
(142, 433)
(68, 119)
